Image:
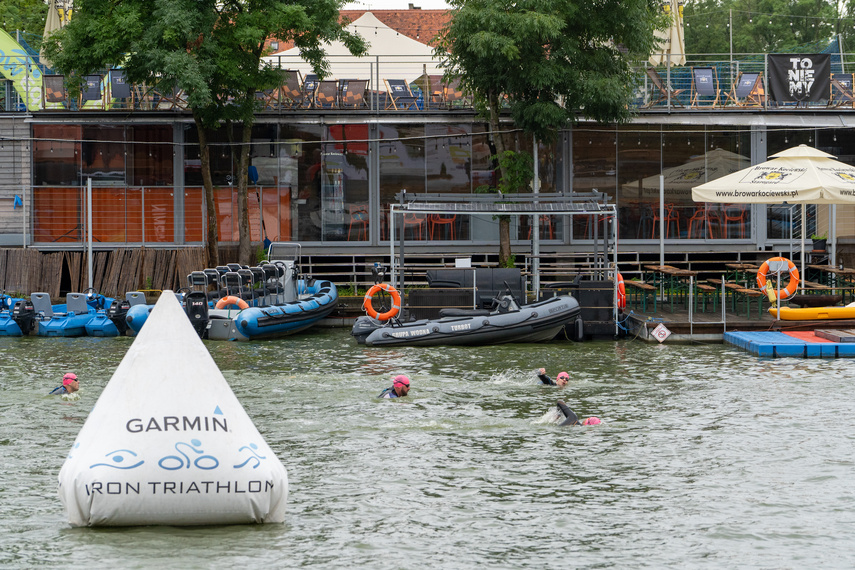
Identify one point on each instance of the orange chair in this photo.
(358, 218)
(671, 215)
(435, 220)
(589, 234)
(546, 224)
(735, 213)
(417, 223)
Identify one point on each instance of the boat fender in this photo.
(396, 302)
(792, 284)
(436, 329)
(580, 330)
(232, 300)
(486, 322)
(621, 292)
(534, 314)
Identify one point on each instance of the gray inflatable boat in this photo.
(506, 322)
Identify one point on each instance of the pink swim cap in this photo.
(592, 421)
(69, 378)
(401, 380)
(563, 375)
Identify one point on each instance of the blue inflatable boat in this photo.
(8, 323)
(70, 319)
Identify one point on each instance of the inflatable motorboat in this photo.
(250, 303)
(506, 322)
(70, 319)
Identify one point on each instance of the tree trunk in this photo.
(212, 249)
(504, 221)
(245, 247)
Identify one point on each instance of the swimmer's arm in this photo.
(546, 379)
(572, 418)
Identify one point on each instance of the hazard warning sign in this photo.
(661, 332)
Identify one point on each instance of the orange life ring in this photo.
(621, 292)
(396, 302)
(793, 283)
(232, 300)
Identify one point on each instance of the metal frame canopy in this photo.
(529, 204)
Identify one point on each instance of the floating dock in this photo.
(820, 343)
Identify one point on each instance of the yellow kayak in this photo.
(813, 313)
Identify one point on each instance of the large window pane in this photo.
(402, 167)
(150, 162)
(56, 155)
(103, 152)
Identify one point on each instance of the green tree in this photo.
(548, 62)
(761, 26)
(24, 16)
(209, 49)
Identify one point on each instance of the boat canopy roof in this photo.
(589, 203)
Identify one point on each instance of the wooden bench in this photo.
(748, 295)
(706, 292)
(641, 289)
(814, 286)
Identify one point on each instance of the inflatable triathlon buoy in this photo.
(231, 300)
(168, 443)
(621, 292)
(779, 265)
(396, 302)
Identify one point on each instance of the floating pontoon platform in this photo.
(821, 343)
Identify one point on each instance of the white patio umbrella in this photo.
(799, 175)
(670, 41)
(53, 22)
(680, 180)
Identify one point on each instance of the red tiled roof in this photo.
(420, 25)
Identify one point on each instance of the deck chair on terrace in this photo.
(705, 90)
(121, 95)
(662, 93)
(53, 90)
(747, 90)
(842, 85)
(310, 83)
(326, 94)
(452, 93)
(292, 89)
(90, 92)
(400, 96)
(353, 93)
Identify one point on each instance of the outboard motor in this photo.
(116, 313)
(364, 326)
(24, 315)
(196, 306)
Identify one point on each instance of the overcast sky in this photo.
(395, 4)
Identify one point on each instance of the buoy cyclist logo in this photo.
(204, 462)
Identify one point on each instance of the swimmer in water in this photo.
(560, 381)
(70, 385)
(571, 419)
(400, 388)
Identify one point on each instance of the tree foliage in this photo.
(24, 16)
(763, 26)
(548, 62)
(211, 50)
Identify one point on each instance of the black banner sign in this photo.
(799, 77)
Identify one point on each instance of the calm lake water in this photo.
(707, 458)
